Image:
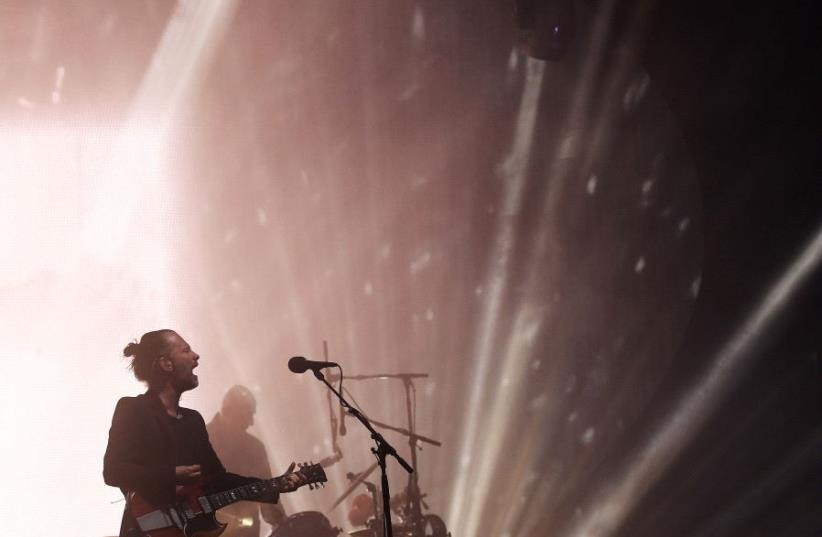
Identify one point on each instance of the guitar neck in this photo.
(251, 491)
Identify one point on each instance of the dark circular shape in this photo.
(306, 524)
(434, 526)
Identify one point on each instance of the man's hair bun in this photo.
(131, 349)
(144, 355)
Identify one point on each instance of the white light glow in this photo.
(82, 221)
(90, 213)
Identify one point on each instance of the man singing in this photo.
(154, 444)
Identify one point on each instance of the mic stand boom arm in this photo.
(407, 433)
(382, 450)
(400, 430)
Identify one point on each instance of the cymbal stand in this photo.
(413, 481)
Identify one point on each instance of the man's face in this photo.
(238, 408)
(239, 416)
(184, 359)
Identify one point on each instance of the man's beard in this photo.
(186, 382)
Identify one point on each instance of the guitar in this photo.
(192, 515)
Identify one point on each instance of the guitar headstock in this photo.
(312, 474)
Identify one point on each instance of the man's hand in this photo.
(293, 481)
(185, 473)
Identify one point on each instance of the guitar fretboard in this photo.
(251, 491)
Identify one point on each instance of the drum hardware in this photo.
(356, 480)
(381, 450)
(409, 503)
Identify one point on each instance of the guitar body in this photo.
(192, 514)
(190, 519)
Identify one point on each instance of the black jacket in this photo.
(141, 451)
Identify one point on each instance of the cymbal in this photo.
(362, 533)
(354, 484)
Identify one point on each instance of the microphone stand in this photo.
(414, 497)
(381, 451)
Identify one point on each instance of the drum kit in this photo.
(407, 518)
(316, 524)
(365, 511)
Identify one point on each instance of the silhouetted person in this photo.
(244, 453)
(155, 445)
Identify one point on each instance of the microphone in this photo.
(298, 364)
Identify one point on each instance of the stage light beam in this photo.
(514, 170)
(612, 506)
